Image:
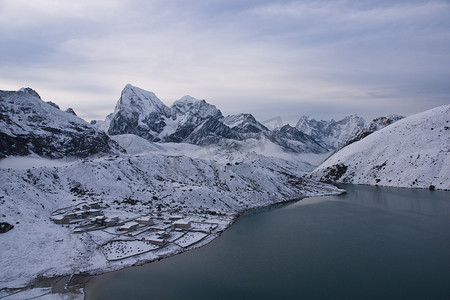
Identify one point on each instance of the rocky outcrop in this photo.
(293, 140)
(29, 125)
(5, 227)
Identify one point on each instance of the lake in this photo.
(370, 243)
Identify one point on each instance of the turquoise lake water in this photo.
(370, 243)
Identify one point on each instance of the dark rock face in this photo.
(375, 125)
(53, 104)
(181, 134)
(139, 112)
(5, 227)
(334, 173)
(9, 145)
(210, 132)
(71, 111)
(291, 139)
(149, 128)
(29, 125)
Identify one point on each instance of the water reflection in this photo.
(432, 203)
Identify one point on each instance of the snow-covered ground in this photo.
(225, 151)
(208, 187)
(28, 162)
(413, 152)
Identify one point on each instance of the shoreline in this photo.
(107, 274)
(75, 286)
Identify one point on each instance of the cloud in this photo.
(261, 56)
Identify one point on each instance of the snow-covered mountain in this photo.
(29, 125)
(244, 123)
(331, 134)
(375, 125)
(293, 140)
(138, 112)
(189, 120)
(412, 152)
(194, 121)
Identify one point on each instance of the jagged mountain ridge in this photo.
(334, 135)
(29, 125)
(188, 120)
(293, 139)
(375, 125)
(142, 113)
(331, 134)
(193, 121)
(244, 123)
(413, 152)
(138, 112)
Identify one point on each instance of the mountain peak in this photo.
(30, 91)
(187, 99)
(134, 100)
(32, 126)
(192, 106)
(331, 134)
(244, 123)
(138, 112)
(408, 153)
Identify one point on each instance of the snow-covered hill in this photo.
(240, 167)
(163, 181)
(413, 152)
(375, 125)
(29, 125)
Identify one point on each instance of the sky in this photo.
(274, 59)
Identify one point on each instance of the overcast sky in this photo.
(270, 58)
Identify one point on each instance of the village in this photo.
(120, 234)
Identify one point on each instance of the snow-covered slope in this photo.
(375, 125)
(128, 186)
(29, 125)
(413, 152)
(331, 134)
